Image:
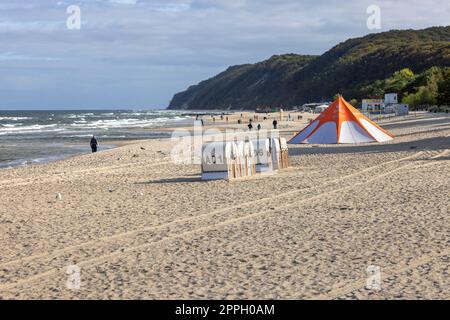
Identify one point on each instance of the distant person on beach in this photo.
(259, 126)
(94, 144)
(275, 124)
(250, 126)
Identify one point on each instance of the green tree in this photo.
(409, 99)
(443, 97)
(396, 83)
(399, 80)
(337, 95)
(354, 103)
(423, 96)
(430, 79)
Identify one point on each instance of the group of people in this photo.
(250, 125)
(94, 142)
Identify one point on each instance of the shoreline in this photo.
(28, 137)
(286, 128)
(113, 144)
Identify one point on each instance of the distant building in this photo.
(321, 108)
(390, 98)
(372, 105)
(398, 109)
(313, 107)
(388, 105)
(263, 109)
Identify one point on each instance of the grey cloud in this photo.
(140, 52)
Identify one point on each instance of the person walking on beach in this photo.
(275, 124)
(250, 126)
(94, 144)
(259, 126)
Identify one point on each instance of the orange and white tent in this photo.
(341, 123)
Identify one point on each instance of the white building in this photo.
(311, 107)
(321, 108)
(398, 109)
(390, 98)
(372, 105)
(388, 105)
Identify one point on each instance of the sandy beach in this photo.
(140, 227)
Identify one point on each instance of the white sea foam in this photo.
(55, 132)
(125, 123)
(30, 129)
(14, 118)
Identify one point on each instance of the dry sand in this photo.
(140, 227)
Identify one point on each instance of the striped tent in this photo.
(341, 123)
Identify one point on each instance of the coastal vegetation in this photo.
(413, 63)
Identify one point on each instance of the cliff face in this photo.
(244, 86)
(289, 80)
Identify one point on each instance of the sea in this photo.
(29, 137)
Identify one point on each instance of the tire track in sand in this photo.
(189, 219)
(177, 234)
(359, 284)
(73, 175)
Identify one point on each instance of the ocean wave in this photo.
(88, 135)
(11, 125)
(84, 124)
(15, 118)
(80, 115)
(30, 129)
(125, 123)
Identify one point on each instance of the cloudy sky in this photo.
(138, 53)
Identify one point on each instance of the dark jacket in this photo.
(94, 142)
